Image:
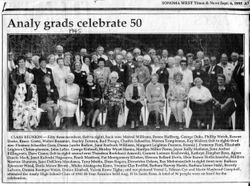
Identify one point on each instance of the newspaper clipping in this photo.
(128, 92)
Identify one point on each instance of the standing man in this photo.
(119, 68)
(163, 74)
(187, 74)
(227, 67)
(83, 53)
(213, 70)
(100, 53)
(129, 68)
(238, 78)
(234, 58)
(59, 52)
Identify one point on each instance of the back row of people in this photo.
(55, 70)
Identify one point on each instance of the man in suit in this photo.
(119, 68)
(59, 52)
(234, 58)
(129, 68)
(238, 91)
(111, 61)
(213, 70)
(198, 72)
(163, 74)
(100, 53)
(83, 53)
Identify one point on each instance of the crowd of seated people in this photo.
(107, 82)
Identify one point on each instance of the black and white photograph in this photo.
(125, 82)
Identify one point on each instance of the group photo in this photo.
(125, 82)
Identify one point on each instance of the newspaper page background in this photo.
(43, 158)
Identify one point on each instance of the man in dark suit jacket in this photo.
(129, 68)
(163, 74)
(198, 72)
(111, 61)
(238, 91)
(213, 70)
(120, 69)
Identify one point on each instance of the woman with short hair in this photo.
(114, 93)
(200, 103)
(91, 101)
(25, 105)
(102, 71)
(155, 94)
(177, 97)
(47, 98)
(68, 99)
(135, 94)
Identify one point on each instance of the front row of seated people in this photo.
(100, 97)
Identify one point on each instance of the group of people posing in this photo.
(62, 84)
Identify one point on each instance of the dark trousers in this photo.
(134, 110)
(112, 115)
(222, 115)
(202, 112)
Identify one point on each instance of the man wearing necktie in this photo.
(213, 70)
(120, 69)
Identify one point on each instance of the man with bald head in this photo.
(100, 53)
(227, 67)
(234, 58)
(136, 53)
(59, 52)
(180, 53)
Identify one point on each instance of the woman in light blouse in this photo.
(177, 97)
(200, 103)
(155, 94)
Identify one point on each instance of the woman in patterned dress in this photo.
(114, 94)
(25, 105)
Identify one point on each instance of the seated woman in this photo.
(134, 94)
(155, 94)
(114, 93)
(177, 97)
(47, 98)
(223, 104)
(68, 99)
(101, 71)
(91, 98)
(200, 103)
(25, 105)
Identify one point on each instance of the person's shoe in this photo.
(137, 124)
(157, 126)
(180, 125)
(132, 125)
